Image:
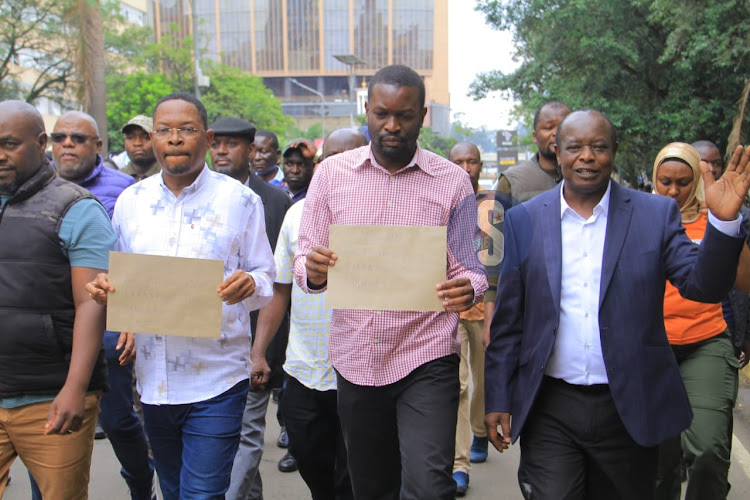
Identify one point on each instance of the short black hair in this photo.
(400, 76)
(268, 135)
(562, 123)
(549, 104)
(184, 96)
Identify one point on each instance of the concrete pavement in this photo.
(492, 480)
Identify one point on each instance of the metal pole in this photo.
(196, 49)
(322, 104)
(351, 96)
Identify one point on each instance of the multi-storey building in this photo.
(292, 45)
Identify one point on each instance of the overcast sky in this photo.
(473, 47)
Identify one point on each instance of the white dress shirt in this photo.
(577, 354)
(216, 217)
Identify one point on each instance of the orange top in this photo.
(686, 321)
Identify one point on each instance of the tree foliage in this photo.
(662, 70)
(35, 61)
(431, 141)
(234, 93)
(131, 95)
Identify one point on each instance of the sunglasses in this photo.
(59, 138)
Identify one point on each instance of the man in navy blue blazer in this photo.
(578, 353)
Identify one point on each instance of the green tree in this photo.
(131, 95)
(663, 70)
(438, 144)
(234, 93)
(34, 48)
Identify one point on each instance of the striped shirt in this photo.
(376, 348)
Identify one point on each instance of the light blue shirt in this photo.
(577, 354)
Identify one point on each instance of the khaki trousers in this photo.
(60, 464)
(470, 403)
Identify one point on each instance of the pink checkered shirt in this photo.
(376, 348)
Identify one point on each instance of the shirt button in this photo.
(377, 313)
(585, 284)
(375, 341)
(586, 315)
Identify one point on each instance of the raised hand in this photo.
(724, 197)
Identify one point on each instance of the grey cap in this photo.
(143, 121)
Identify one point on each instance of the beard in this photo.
(143, 163)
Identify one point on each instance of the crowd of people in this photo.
(607, 325)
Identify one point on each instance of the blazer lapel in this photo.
(618, 221)
(552, 238)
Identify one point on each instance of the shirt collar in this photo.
(419, 160)
(197, 183)
(601, 207)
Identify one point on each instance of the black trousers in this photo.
(315, 440)
(575, 446)
(400, 438)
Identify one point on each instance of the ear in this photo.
(424, 113)
(41, 141)
(99, 144)
(210, 136)
(533, 137)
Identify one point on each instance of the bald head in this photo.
(341, 140)
(22, 143)
(583, 116)
(467, 156)
(75, 145)
(22, 113)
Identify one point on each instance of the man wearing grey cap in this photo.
(230, 151)
(138, 146)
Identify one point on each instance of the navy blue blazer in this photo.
(645, 245)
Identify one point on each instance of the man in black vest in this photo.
(52, 368)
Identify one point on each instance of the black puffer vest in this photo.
(36, 298)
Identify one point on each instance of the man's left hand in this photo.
(724, 197)
(66, 412)
(236, 288)
(457, 294)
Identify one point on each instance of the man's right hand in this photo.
(491, 422)
(99, 288)
(317, 264)
(260, 374)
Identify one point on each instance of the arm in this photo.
(269, 320)
(67, 409)
(466, 276)
(252, 282)
(742, 282)
(502, 354)
(312, 254)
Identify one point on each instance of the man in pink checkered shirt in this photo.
(397, 371)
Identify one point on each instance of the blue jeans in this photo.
(194, 444)
(122, 425)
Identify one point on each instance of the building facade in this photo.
(292, 45)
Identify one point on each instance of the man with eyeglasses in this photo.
(193, 390)
(75, 150)
(52, 369)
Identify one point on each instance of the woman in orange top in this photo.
(703, 348)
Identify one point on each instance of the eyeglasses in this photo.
(59, 138)
(186, 132)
